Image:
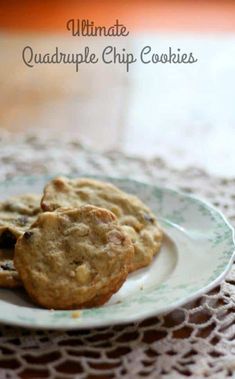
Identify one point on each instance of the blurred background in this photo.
(182, 113)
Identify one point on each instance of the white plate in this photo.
(197, 252)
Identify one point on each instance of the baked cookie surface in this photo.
(134, 216)
(16, 215)
(73, 258)
(9, 277)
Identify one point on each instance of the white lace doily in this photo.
(197, 340)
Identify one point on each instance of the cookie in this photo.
(9, 277)
(73, 258)
(135, 217)
(16, 215)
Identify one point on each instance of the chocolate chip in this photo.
(7, 266)
(7, 240)
(149, 218)
(28, 235)
(22, 220)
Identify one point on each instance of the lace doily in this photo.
(196, 340)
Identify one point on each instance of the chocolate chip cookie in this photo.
(16, 215)
(9, 277)
(134, 216)
(73, 258)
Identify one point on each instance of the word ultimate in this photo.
(86, 28)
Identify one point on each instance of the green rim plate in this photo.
(197, 252)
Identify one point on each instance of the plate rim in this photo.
(145, 313)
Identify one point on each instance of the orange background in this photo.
(193, 15)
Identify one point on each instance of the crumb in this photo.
(75, 314)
